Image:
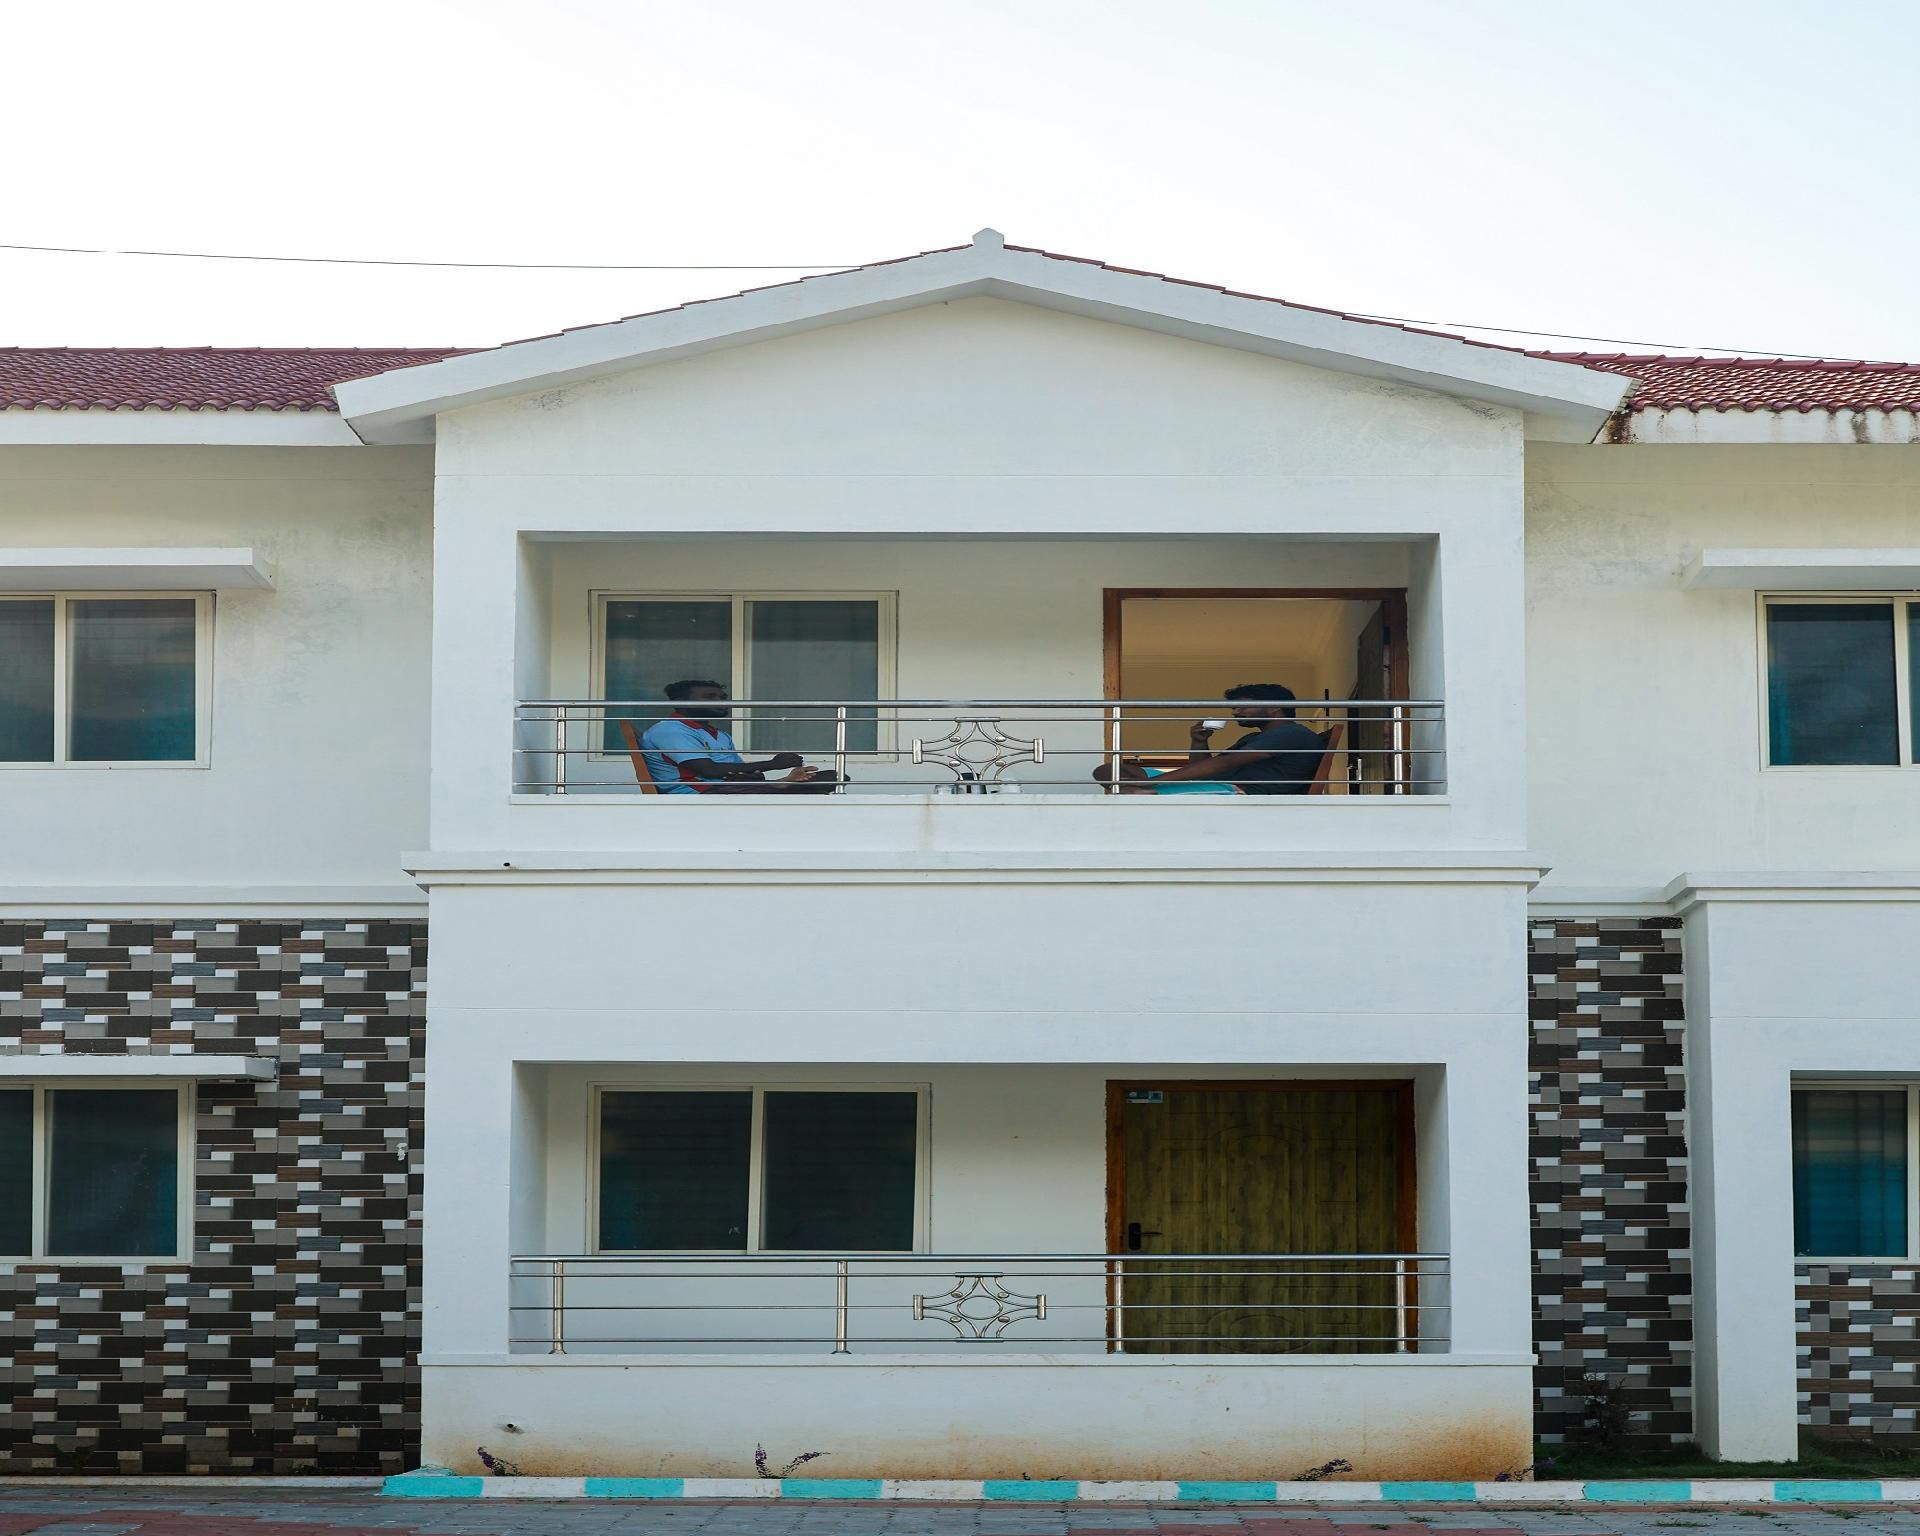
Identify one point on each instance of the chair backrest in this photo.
(1329, 744)
(640, 769)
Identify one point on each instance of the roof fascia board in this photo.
(397, 406)
(207, 426)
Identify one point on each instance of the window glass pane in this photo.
(131, 680)
(1849, 1173)
(840, 1170)
(16, 1171)
(813, 650)
(1830, 683)
(26, 681)
(652, 643)
(673, 1169)
(113, 1171)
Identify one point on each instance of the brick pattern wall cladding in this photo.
(1608, 1169)
(1859, 1336)
(288, 1344)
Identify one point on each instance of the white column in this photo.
(1485, 1132)
(466, 1241)
(1745, 1376)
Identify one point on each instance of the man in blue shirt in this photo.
(691, 752)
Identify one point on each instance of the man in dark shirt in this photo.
(1278, 756)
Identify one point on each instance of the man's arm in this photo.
(705, 768)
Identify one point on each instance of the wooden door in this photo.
(1228, 1168)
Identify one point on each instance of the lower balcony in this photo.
(1252, 1274)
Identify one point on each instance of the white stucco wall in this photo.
(320, 686)
(1644, 698)
(980, 419)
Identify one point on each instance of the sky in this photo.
(1692, 176)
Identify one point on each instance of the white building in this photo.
(971, 1118)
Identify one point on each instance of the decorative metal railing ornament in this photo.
(979, 1308)
(977, 749)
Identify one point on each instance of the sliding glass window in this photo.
(812, 652)
(107, 679)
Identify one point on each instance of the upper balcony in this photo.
(925, 697)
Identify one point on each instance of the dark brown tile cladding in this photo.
(1859, 1350)
(1613, 1286)
(284, 1372)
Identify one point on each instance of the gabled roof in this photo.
(191, 378)
(400, 406)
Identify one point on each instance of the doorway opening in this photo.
(1342, 652)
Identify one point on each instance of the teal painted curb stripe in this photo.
(829, 1487)
(635, 1487)
(1226, 1493)
(1437, 1492)
(431, 1485)
(1638, 1493)
(1027, 1488)
(1816, 1492)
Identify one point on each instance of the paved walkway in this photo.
(308, 1512)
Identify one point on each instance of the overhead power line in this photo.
(494, 266)
(827, 266)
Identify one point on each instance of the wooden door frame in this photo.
(1392, 599)
(1407, 1213)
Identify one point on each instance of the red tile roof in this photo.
(294, 378)
(1757, 383)
(191, 378)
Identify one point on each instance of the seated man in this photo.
(1277, 756)
(690, 752)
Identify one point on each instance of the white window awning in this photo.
(48, 1065)
(132, 570)
(1812, 570)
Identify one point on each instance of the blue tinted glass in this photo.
(113, 1171)
(840, 1170)
(16, 1170)
(26, 681)
(131, 680)
(1849, 1173)
(673, 1170)
(1830, 683)
(656, 642)
(814, 649)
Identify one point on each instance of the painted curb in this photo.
(436, 1483)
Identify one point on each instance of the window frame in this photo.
(887, 636)
(63, 681)
(41, 1173)
(1905, 630)
(756, 1163)
(1911, 1088)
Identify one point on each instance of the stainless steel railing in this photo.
(990, 746)
(1132, 1303)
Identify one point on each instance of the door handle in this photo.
(1135, 1232)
